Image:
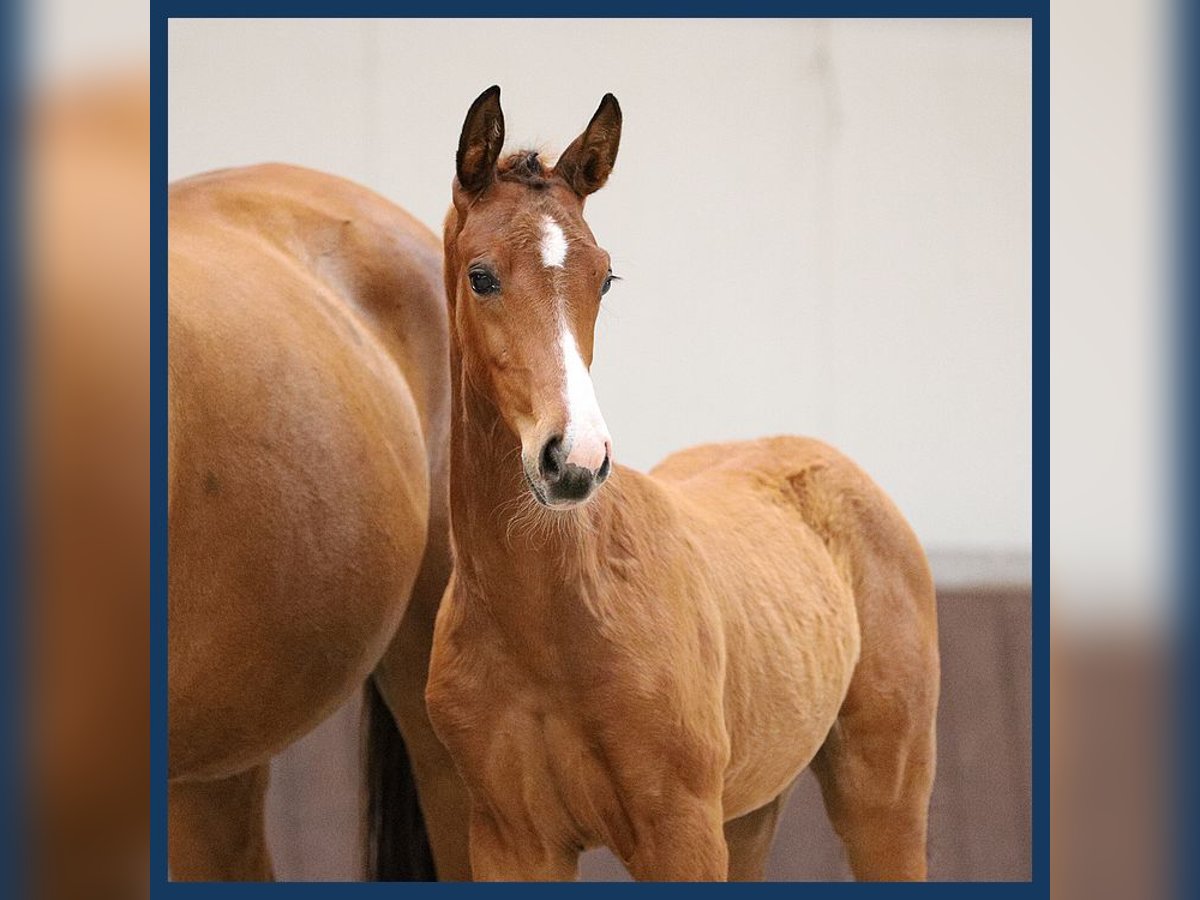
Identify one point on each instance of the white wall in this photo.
(824, 228)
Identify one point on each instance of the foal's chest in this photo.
(526, 760)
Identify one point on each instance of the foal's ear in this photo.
(481, 141)
(587, 163)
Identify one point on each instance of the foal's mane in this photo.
(524, 167)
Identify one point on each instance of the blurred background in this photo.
(849, 243)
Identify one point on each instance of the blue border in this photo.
(614, 9)
(1040, 837)
(1036, 10)
(158, 449)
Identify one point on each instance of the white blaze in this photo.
(554, 244)
(586, 437)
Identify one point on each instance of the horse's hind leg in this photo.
(217, 829)
(401, 678)
(876, 773)
(749, 839)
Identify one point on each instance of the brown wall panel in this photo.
(980, 816)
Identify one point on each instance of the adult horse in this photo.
(307, 431)
(650, 664)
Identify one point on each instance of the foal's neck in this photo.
(501, 535)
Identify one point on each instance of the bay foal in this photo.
(649, 661)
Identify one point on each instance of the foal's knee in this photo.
(686, 843)
(499, 854)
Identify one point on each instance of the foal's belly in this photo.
(780, 718)
(782, 697)
(792, 643)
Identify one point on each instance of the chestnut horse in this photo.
(649, 661)
(307, 435)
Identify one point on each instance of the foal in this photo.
(649, 665)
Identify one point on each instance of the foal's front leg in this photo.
(500, 853)
(667, 821)
(682, 842)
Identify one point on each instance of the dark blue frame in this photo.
(1035, 10)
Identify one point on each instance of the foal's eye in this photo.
(608, 283)
(483, 282)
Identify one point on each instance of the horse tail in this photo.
(396, 844)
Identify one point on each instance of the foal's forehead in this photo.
(532, 225)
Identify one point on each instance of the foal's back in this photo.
(307, 396)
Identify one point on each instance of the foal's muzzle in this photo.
(563, 483)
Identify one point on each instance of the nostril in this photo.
(605, 466)
(551, 459)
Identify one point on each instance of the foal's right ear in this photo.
(481, 141)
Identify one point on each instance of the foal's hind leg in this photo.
(877, 763)
(749, 839)
(876, 774)
(217, 830)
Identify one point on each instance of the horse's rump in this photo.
(299, 469)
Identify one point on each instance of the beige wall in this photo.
(824, 228)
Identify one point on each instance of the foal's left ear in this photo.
(587, 163)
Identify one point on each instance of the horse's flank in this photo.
(291, 453)
(307, 434)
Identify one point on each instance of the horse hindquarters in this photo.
(876, 767)
(298, 521)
